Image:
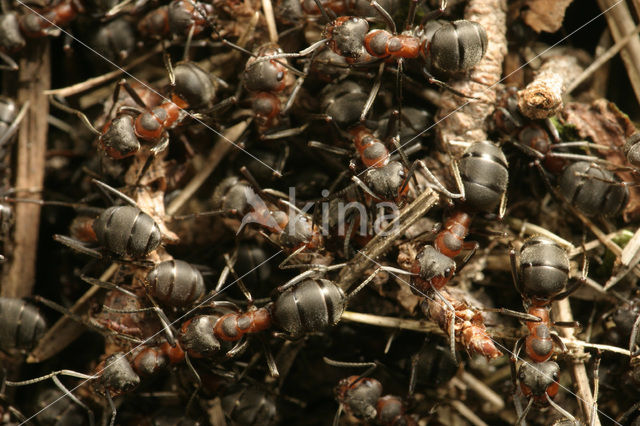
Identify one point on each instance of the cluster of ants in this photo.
(321, 104)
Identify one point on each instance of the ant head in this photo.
(433, 266)
(539, 378)
(184, 14)
(120, 140)
(346, 36)
(299, 231)
(632, 149)
(118, 375)
(387, 182)
(196, 336)
(265, 76)
(359, 396)
(193, 85)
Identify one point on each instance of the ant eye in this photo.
(555, 377)
(447, 272)
(280, 75)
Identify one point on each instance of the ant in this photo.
(540, 275)
(451, 46)
(191, 87)
(361, 396)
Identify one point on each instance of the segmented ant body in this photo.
(176, 283)
(22, 325)
(541, 276)
(178, 18)
(593, 190)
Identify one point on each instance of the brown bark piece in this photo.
(461, 119)
(545, 15)
(34, 78)
(542, 98)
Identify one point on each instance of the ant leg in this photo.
(388, 20)
(114, 412)
(271, 362)
(131, 91)
(561, 410)
(434, 14)
(596, 388)
(106, 189)
(432, 80)
(314, 270)
(285, 133)
(411, 14)
(525, 412)
(83, 118)
(238, 280)
(298, 85)
(237, 349)
(371, 366)
(452, 335)
(166, 324)
(520, 315)
(633, 346)
(69, 373)
(11, 64)
(108, 285)
(374, 91)
(469, 245)
(325, 12)
(328, 148)
(72, 397)
(78, 246)
(284, 263)
(347, 240)
(373, 275)
(514, 270)
(13, 128)
(364, 187)
(336, 418)
(437, 184)
(558, 341)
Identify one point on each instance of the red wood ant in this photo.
(361, 396)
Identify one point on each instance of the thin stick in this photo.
(65, 330)
(621, 23)
(601, 60)
(34, 76)
(422, 326)
(531, 229)
(104, 78)
(267, 9)
(483, 390)
(383, 241)
(467, 413)
(562, 312)
(216, 155)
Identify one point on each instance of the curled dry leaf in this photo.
(603, 123)
(545, 15)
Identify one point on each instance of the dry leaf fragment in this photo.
(545, 15)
